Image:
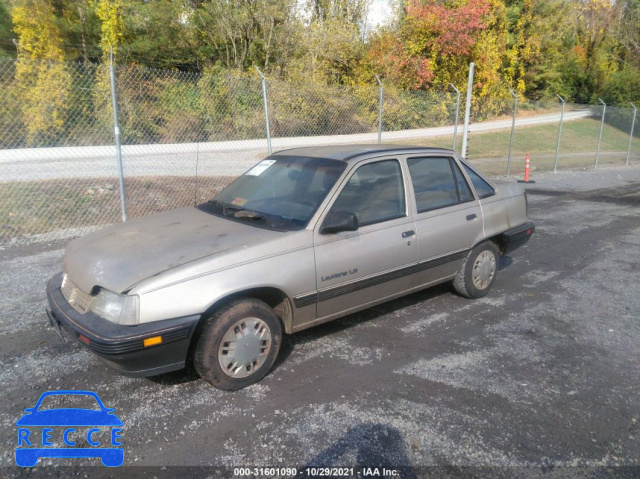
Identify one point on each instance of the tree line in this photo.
(581, 49)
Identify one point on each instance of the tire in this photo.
(478, 271)
(238, 344)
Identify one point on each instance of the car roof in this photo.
(350, 152)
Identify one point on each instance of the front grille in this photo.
(78, 299)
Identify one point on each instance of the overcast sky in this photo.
(379, 13)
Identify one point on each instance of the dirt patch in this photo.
(30, 208)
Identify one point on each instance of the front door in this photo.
(357, 268)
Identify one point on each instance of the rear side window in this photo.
(483, 188)
(437, 183)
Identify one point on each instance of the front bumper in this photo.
(122, 347)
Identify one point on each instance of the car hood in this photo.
(122, 255)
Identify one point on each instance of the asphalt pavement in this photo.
(539, 378)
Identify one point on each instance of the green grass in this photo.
(578, 136)
(578, 146)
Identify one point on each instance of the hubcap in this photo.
(483, 270)
(244, 347)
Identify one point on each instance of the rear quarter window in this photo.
(483, 188)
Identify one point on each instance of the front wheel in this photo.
(478, 272)
(238, 344)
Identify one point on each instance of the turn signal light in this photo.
(153, 341)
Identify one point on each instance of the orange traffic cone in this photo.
(526, 171)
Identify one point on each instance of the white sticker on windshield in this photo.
(260, 167)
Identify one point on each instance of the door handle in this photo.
(471, 217)
(406, 234)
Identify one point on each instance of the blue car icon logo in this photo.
(43, 432)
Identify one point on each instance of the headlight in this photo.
(120, 309)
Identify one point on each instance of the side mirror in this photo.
(337, 221)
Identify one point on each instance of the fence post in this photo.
(467, 111)
(555, 162)
(380, 110)
(116, 129)
(455, 127)
(266, 108)
(633, 124)
(513, 126)
(604, 109)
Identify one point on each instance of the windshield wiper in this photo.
(227, 209)
(254, 215)
(240, 213)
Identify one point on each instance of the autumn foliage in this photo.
(446, 30)
(581, 49)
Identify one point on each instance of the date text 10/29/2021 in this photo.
(316, 471)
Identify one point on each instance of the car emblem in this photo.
(69, 432)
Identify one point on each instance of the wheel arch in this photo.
(274, 297)
(500, 240)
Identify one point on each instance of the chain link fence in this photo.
(56, 154)
(552, 144)
(187, 135)
(184, 137)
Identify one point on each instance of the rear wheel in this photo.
(238, 344)
(478, 271)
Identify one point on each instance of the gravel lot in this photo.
(538, 378)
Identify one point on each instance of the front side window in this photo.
(281, 192)
(437, 183)
(375, 193)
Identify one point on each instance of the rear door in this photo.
(356, 268)
(448, 216)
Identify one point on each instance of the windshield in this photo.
(280, 192)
